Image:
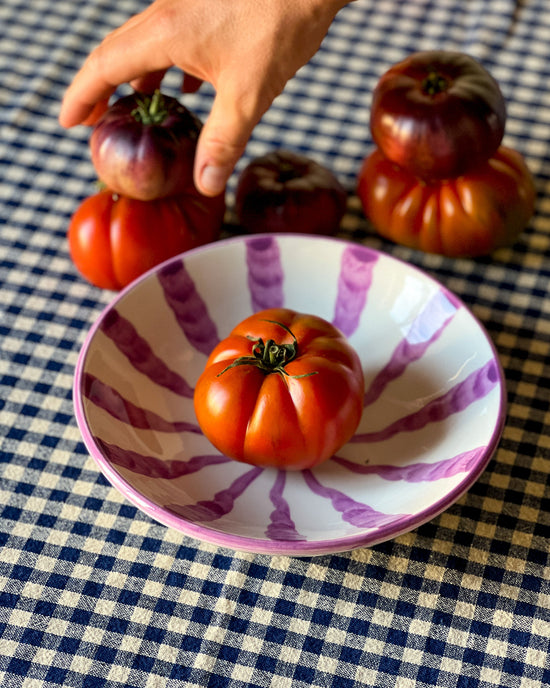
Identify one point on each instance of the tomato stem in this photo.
(434, 83)
(287, 172)
(150, 109)
(269, 356)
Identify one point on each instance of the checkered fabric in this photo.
(93, 593)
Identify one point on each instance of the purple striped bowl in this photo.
(434, 396)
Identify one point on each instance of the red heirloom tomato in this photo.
(144, 145)
(285, 389)
(284, 191)
(437, 114)
(114, 239)
(469, 215)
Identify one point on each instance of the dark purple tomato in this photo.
(143, 146)
(438, 114)
(284, 191)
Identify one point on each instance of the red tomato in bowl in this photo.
(114, 239)
(438, 114)
(284, 390)
(470, 215)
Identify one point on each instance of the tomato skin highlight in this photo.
(114, 239)
(289, 421)
(437, 114)
(467, 216)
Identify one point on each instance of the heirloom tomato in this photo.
(284, 389)
(284, 191)
(470, 215)
(438, 114)
(143, 146)
(114, 239)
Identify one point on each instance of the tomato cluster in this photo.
(143, 149)
(439, 179)
(285, 389)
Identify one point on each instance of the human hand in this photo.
(246, 49)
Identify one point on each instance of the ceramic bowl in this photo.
(434, 402)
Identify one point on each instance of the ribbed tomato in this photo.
(470, 215)
(284, 389)
(114, 239)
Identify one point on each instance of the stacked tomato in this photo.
(143, 150)
(440, 179)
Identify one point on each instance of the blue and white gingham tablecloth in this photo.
(93, 593)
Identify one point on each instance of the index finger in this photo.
(125, 55)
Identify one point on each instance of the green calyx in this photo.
(269, 356)
(434, 83)
(150, 109)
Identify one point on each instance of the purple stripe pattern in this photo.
(353, 285)
(477, 385)
(359, 515)
(153, 467)
(189, 308)
(262, 261)
(265, 273)
(425, 330)
(281, 527)
(140, 355)
(220, 505)
(108, 399)
(419, 472)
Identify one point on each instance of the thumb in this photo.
(222, 142)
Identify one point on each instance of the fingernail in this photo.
(213, 179)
